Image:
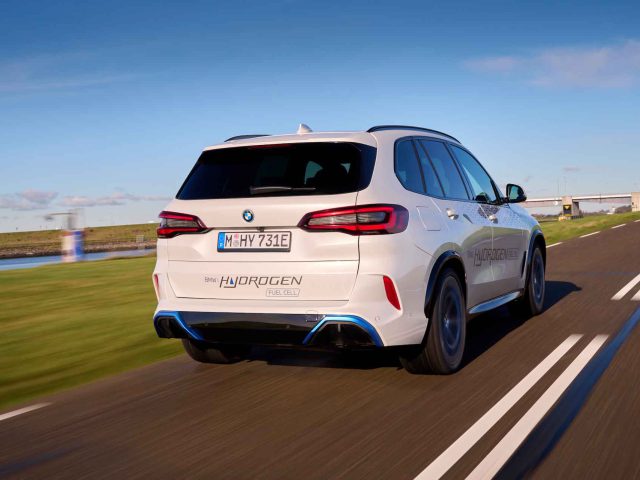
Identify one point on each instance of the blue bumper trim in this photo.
(164, 313)
(328, 319)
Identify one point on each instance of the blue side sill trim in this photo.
(164, 313)
(366, 326)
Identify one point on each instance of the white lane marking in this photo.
(492, 463)
(554, 244)
(636, 221)
(468, 439)
(20, 411)
(589, 234)
(626, 289)
(618, 226)
(636, 297)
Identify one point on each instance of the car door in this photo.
(467, 224)
(509, 239)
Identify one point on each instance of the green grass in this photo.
(561, 231)
(63, 325)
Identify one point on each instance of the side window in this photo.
(407, 167)
(430, 177)
(445, 167)
(481, 184)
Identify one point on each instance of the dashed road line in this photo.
(493, 462)
(626, 289)
(468, 439)
(20, 411)
(541, 441)
(554, 244)
(589, 234)
(618, 226)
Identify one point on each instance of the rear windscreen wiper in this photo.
(278, 188)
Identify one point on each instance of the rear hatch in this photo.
(251, 200)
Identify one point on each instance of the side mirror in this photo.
(515, 193)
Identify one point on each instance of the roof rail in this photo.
(242, 137)
(409, 127)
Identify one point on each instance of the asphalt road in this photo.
(308, 415)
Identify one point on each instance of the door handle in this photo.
(452, 214)
(493, 218)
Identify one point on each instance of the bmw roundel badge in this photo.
(247, 215)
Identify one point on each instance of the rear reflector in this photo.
(362, 220)
(390, 290)
(172, 224)
(156, 285)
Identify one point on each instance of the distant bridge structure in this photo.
(571, 203)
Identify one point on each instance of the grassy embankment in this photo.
(64, 325)
(47, 242)
(560, 231)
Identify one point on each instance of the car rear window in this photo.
(318, 168)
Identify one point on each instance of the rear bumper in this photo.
(367, 301)
(323, 330)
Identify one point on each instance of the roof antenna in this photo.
(303, 128)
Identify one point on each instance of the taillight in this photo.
(172, 224)
(392, 293)
(362, 220)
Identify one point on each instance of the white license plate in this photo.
(254, 241)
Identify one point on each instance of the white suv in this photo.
(393, 237)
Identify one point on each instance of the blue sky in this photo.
(106, 105)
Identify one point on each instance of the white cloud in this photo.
(84, 201)
(611, 66)
(31, 199)
(27, 200)
(55, 72)
(117, 198)
(38, 197)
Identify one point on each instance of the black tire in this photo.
(205, 353)
(532, 302)
(441, 351)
